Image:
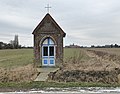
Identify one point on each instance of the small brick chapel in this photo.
(48, 43)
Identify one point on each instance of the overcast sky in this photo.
(86, 22)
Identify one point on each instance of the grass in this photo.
(15, 57)
(16, 65)
(76, 53)
(22, 57)
(43, 85)
(75, 59)
(115, 51)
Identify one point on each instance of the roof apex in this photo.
(54, 22)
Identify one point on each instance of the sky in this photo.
(85, 22)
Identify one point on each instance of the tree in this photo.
(112, 45)
(116, 46)
(1, 45)
(16, 43)
(92, 46)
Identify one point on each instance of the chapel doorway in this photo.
(48, 52)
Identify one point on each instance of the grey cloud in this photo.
(86, 22)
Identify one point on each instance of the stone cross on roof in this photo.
(48, 8)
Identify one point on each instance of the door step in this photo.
(43, 73)
(42, 77)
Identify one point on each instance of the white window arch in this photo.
(48, 41)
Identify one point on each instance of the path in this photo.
(44, 73)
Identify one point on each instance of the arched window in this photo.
(48, 41)
(48, 52)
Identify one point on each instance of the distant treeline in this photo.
(11, 46)
(14, 44)
(106, 46)
(93, 46)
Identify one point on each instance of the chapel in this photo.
(48, 43)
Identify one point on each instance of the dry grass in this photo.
(16, 65)
(82, 59)
(75, 59)
(19, 74)
(105, 58)
(83, 65)
(115, 51)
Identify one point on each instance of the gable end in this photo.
(48, 16)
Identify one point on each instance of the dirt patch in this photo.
(20, 74)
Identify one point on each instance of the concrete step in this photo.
(44, 73)
(42, 77)
(46, 70)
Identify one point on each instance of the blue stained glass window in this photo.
(45, 62)
(51, 61)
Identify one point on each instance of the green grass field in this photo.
(16, 57)
(75, 53)
(22, 57)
